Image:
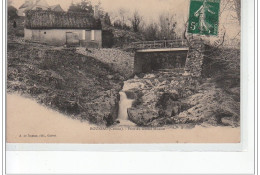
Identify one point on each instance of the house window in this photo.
(44, 32)
(92, 35)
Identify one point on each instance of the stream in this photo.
(124, 104)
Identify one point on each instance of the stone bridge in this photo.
(173, 55)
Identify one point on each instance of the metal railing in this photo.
(160, 44)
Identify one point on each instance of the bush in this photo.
(223, 66)
(19, 33)
(12, 13)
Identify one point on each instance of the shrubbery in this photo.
(12, 13)
(223, 66)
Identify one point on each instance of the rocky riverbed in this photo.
(168, 98)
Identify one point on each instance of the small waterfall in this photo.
(124, 104)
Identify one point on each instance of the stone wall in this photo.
(58, 37)
(195, 58)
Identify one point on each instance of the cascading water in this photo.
(124, 104)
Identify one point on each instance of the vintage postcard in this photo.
(123, 72)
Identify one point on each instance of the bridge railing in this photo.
(160, 44)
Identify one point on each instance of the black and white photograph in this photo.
(118, 71)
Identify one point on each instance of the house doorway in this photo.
(72, 39)
(36, 35)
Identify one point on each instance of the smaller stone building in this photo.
(34, 5)
(56, 8)
(63, 28)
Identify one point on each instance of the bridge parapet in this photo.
(160, 44)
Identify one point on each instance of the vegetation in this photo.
(107, 19)
(121, 25)
(79, 87)
(12, 13)
(123, 19)
(84, 7)
(223, 65)
(151, 32)
(136, 20)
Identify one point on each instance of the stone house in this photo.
(63, 28)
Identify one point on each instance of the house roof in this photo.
(40, 19)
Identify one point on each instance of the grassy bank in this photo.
(77, 85)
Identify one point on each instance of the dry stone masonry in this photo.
(195, 58)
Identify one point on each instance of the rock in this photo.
(186, 73)
(130, 94)
(163, 98)
(175, 110)
(159, 99)
(142, 117)
(166, 98)
(235, 90)
(147, 76)
(110, 77)
(158, 122)
(109, 120)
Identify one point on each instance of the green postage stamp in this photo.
(204, 17)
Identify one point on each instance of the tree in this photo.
(120, 25)
(107, 19)
(151, 32)
(84, 7)
(73, 7)
(122, 13)
(12, 13)
(120, 19)
(167, 24)
(238, 9)
(136, 20)
(99, 11)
